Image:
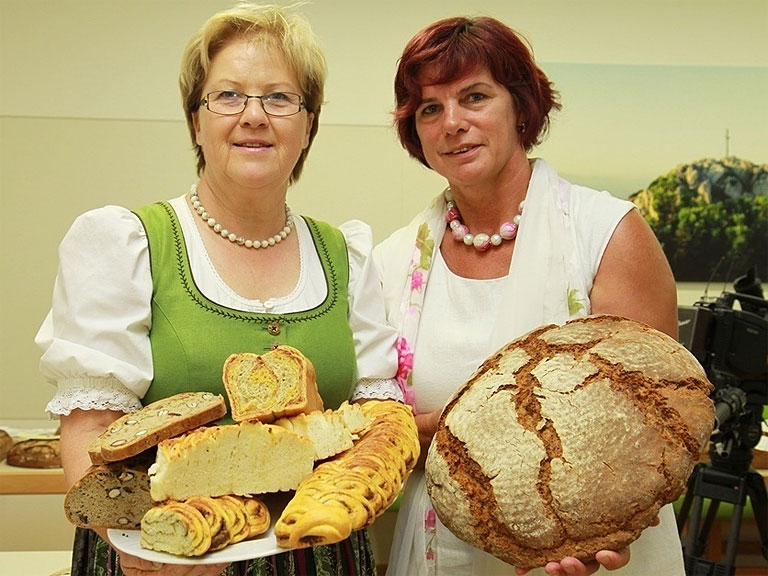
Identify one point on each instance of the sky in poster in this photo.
(622, 126)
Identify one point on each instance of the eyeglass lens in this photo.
(232, 102)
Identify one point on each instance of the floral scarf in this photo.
(544, 282)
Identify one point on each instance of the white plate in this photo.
(128, 542)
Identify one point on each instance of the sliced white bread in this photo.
(245, 458)
(331, 431)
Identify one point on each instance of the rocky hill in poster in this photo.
(711, 217)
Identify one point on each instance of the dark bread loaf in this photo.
(133, 433)
(35, 453)
(569, 440)
(6, 441)
(113, 495)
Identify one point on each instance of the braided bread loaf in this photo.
(348, 492)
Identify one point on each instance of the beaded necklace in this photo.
(481, 241)
(231, 236)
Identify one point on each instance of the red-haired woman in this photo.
(507, 247)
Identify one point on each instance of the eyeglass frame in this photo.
(206, 102)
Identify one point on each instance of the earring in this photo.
(521, 128)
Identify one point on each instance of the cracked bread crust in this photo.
(569, 440)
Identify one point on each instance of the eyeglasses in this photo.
(230, 102)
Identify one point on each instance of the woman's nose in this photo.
(454, 119)
(254, 113)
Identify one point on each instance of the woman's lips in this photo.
(253, 145)
(460, 150)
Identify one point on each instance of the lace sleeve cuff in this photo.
(378, 389)
(92, 394)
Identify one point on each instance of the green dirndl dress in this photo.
(183, 361)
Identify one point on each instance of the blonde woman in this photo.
(151, 303)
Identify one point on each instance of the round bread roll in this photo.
(569, 440)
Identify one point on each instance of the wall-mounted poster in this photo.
(711, 217)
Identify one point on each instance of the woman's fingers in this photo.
(613, 560)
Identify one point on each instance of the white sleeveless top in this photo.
(462, 322)
(441, 365)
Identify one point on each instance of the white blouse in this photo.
(95, 338)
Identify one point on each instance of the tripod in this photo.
(717, 483)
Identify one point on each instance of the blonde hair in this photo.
(282, 28)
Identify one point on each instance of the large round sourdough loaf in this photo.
(569, 440)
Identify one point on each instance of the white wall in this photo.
(90, 115)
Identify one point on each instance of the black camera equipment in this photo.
(732, 347)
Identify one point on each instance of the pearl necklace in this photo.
(481, 242)
(231, 236)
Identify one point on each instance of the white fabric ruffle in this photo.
(92, 394)
(378, 389)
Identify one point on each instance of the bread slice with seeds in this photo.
(114, 495)
(133, 433)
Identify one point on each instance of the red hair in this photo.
(451, 49)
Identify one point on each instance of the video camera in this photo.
(732, 347)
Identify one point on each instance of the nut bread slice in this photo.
(114, 495)
(332, 431)
(272, 385)
(133, 433)
(242, 459)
